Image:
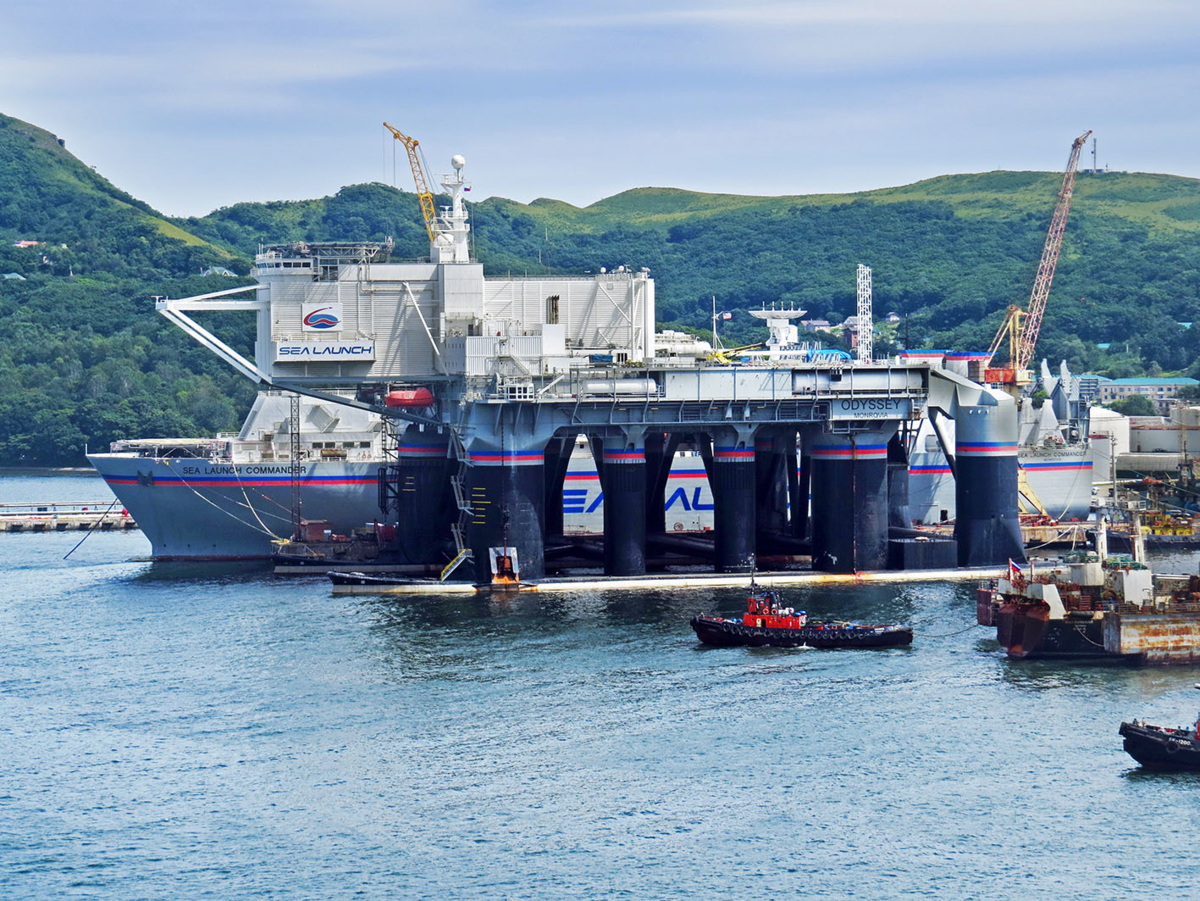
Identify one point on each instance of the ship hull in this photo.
(1153, 747)
(1060, 477)
(192, 509)
(723, 633)
(1027, 633)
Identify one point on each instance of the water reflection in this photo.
(218, 573)
(1048, 675)
(1138, 774)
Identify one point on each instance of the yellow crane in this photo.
(424, 195)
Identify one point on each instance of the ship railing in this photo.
(35, 509)
(1189, 607)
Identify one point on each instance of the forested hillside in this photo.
(87, 360)
(949, 254)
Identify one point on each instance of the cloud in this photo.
(197, 105)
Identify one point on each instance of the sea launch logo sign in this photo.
(325, 352)
(324, 317)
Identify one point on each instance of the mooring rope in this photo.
(264, 529)
(250, 506)
(1083, 635)
(952, 634)
(91, 530)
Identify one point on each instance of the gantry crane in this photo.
(424, 195)
(1022, 326)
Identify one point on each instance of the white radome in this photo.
(457, 161)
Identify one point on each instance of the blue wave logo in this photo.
(321, 318)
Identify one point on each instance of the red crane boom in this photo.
(1022, 327)
(1045, 275)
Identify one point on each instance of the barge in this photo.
(1093, 607)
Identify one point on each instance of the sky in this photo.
(195, 106)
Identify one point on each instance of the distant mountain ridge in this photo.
(87, 360)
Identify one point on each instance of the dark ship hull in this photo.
(724, 633)
(1153, 746)
(1027, 633)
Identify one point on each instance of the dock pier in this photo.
(57, 517)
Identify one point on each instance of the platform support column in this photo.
(558, 457)
(623, 480)
(506, 490)
(771, 483)
(800, 478)
(660, 454)
(731, 477)
(898, 512)
(987, 524)
(420, 513)
(850, 501)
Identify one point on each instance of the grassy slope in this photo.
(1161, 202)
(43, 156)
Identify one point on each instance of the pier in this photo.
(675, 582)
(55, 517)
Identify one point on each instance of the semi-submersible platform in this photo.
(488, 382)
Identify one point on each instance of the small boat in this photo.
(1162, 746)
(768, 623)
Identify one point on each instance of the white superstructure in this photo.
(330, 313)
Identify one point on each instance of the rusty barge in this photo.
(1093, 607)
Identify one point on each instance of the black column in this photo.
(731, 478)
(506, 494)
(849, 503)
(898, 512)
(770, 486)
(422, 469)
(987, 524)
(801, 467)
(558, 457)
(658, 468)
(623, 479)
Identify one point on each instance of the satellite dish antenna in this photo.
(457, 162)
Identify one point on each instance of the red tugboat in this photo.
(768, 623)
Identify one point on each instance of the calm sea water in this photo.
(179, 731)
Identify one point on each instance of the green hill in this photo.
(85, 359)
(88, 360)
(949, 254)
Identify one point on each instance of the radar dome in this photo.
(457, 161)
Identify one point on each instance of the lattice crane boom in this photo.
(424, 195)
(1045, 276)
(1021, 327)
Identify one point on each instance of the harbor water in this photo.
(200, 730)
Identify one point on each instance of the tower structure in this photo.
(866, 322)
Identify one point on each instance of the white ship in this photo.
(229, 497)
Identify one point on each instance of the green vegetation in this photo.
(1135, 405)
(87, 360)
